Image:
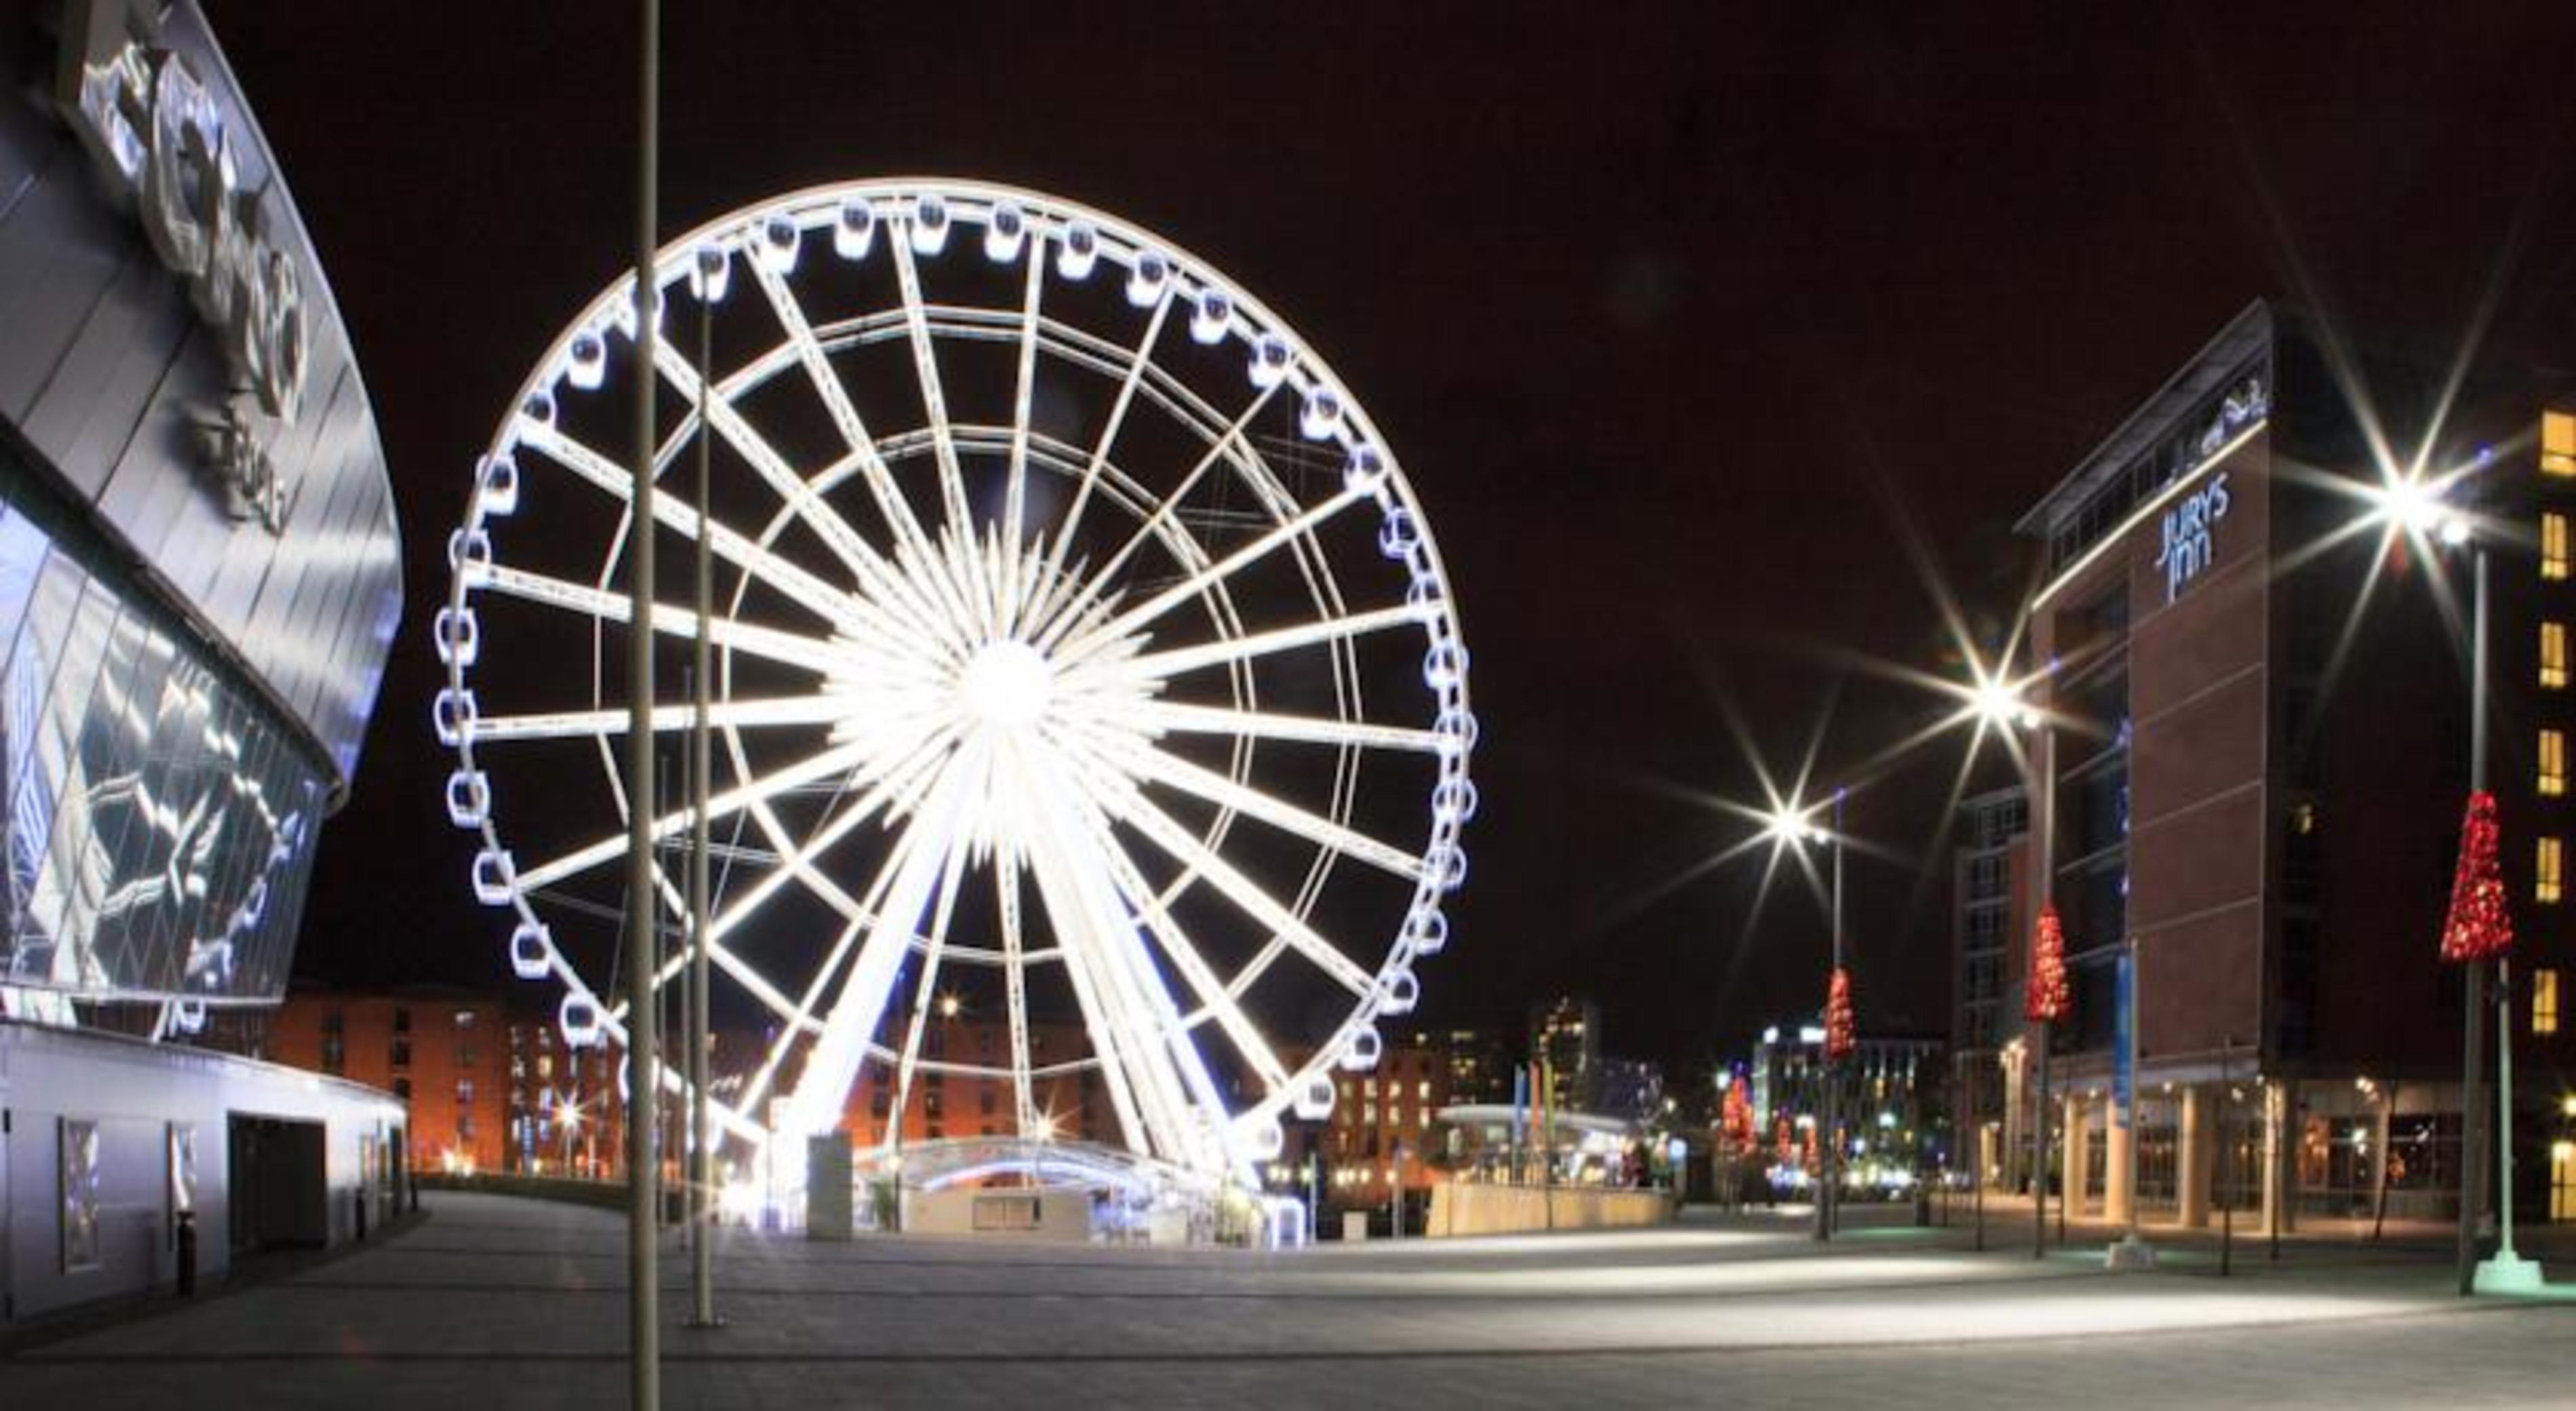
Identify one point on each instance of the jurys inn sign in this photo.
(166, 146)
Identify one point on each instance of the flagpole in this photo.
(643, 1071)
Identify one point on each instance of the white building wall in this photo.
(134, 1092)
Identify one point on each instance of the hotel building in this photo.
(2252, 774)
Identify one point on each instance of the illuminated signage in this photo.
(2189, 523)
(161, 140)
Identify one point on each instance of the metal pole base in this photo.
(2129, 1254)
(2509, 1273)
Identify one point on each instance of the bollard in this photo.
(187, 1254)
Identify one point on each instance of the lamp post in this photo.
(1789, 827)
(643, 1072)
(2001, 705)
(2415, 506)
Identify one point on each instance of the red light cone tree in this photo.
(1839, 1033)
(2478, 927)
(2044, 999)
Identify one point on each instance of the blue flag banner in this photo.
(2124, 1036)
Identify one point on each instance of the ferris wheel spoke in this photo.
(934, 400)
(800, 498)
(1136, 1021)
(797, 856)
(1099, 458)
(943, 911)
(669, 619)
(1174, 717)
(1157, 524)
(1127, 623)
(1157, 766)
(836, 759)
(745, 714)
(1015, 493)
(1185, 956)
(855, 923)
(1224, 652)
(917, 858)
(1006, 889)
(845, 415)
(718, 954)
(1065, 914)
(1193, 853)
(675, 513)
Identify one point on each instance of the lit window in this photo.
(2544, 1001)
(2553, 546)
(2557, 443)
(2553, 655)
(2553, 762)
(2545, 880)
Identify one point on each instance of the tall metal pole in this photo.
(2227, 1165)
(2045, 807)
(1977, 1153)
(1829, 1171)
(2473, 1043)
(2504, 1257)
(643, 1077)
(702, 1306)
(2506, 1271)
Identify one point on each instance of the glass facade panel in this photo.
(159, 818)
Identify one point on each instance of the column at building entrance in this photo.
(2195, 1157)
(2276, 1153)
(2120, 1133)
(2076, 1160)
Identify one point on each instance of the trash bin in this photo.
(187, 1253)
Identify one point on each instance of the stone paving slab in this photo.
(498, 1303)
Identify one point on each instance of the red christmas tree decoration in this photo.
(2478, 927)
(1838, 1016)
(1737, 1120)
(2044, 999)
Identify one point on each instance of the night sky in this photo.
(1681, 317)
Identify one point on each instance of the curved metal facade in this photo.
(200, 573)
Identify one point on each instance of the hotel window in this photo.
(2553, 655)
(2557, 443)
(2545, 880)
(2553, 546)
(2553, 762)
(2544, 1001)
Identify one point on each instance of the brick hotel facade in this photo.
(2255, 769)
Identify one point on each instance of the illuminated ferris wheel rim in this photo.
(1051, 232)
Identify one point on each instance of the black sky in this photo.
(1664, 307)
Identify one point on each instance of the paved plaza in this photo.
(491, 1302)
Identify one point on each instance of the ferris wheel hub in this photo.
(1007, 684)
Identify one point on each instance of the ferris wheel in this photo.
(1083, 664)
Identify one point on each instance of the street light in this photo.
(2419, 508)
(1793, 825)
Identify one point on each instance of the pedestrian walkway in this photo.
(494, 1302)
